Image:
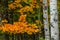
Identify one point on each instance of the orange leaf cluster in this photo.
(19, 27)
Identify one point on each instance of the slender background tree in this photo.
(45, 16)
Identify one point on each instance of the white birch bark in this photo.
(54, 20)
(45, 16)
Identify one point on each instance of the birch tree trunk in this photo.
(54, 20)
(45, 16)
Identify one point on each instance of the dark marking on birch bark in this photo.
(55, 20)
(51, 25)
(45, 12)
(44, 18)
(54, 9)
(46, 29)
(45, 7)
(55, 33)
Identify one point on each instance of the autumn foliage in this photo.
(22, 17)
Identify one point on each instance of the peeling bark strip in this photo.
(45, 19)
(54, 20)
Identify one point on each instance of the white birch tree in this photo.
(45, 16)
(54, 20)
